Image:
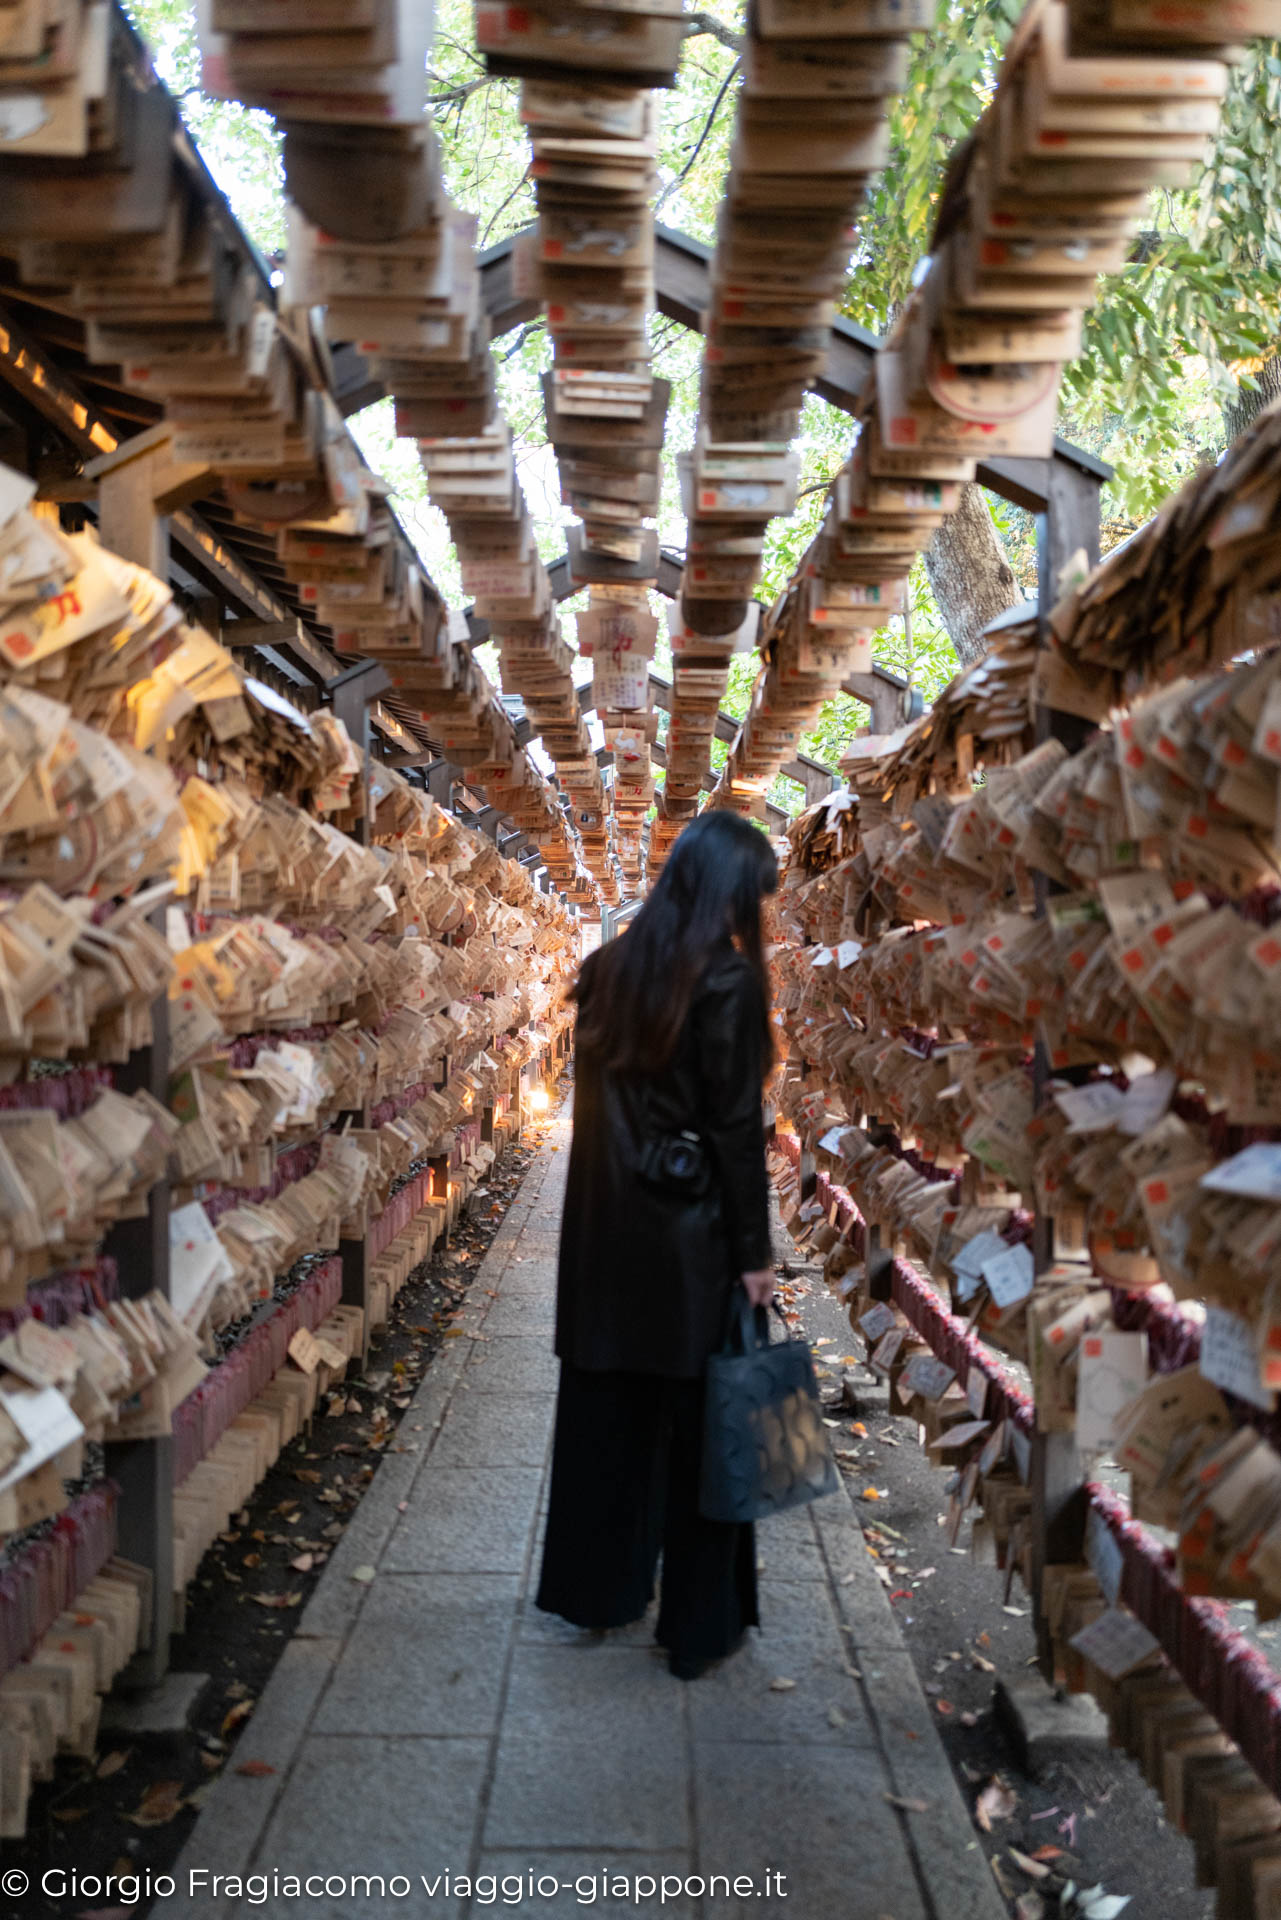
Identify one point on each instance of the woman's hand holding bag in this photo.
(759, 1286)
(764, 1444)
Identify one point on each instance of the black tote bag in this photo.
(764, 1444)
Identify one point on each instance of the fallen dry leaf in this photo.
(780, 1684)
(1032, 1868)
(113, 1762)
(303, 1563)
(365, 1575)
(68, 1814)
(256, 1769)
(159, 1804)
(277, 1599)
(236, 1717)
(996, 1802)
(908, 1806)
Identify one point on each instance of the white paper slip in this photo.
(1116, 1643)
(927, 1376)
(847, 953)
(877, 1321)
(1009, 1275)
(1089, 1109)
(46, 1424)
(967, 1262)
(16, 492)
(1252, 1174)
(1230, 1357)
(1112, 1369)
(1145, 1100)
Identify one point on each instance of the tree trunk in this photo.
(969, 575)
(1250, 402)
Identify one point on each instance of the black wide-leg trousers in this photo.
(624, 1488)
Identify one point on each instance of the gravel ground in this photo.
(1109, 1825)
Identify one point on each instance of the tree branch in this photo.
(696, 23)
(460, 93)
(672, 185)
(489, 225)
(530, 327)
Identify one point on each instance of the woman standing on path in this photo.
(666, 1210)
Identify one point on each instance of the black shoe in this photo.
(686, 1667)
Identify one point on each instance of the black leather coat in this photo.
(645, 1276)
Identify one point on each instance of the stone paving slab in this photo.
(366, 1804)
(426, 1656)
(433, 1722)
(817, 1816)
(587, 1750)
(470, 1435)
(467, 1520)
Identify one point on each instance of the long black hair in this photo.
(634, 993)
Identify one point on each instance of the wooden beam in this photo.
(682, 292)
(290, 634)
(31, 373)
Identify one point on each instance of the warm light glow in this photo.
(539, 1099)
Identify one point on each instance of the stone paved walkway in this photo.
(432, 1722)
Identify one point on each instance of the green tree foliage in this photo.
(240, 146)
(950, 79)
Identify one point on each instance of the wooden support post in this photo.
(143, 1469)
(1068, 523)
(438, 1165)
(439, 781)
(139, 485)
(487, 1123)
(352, 695)
(354, 1255)
(1058, 1520)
